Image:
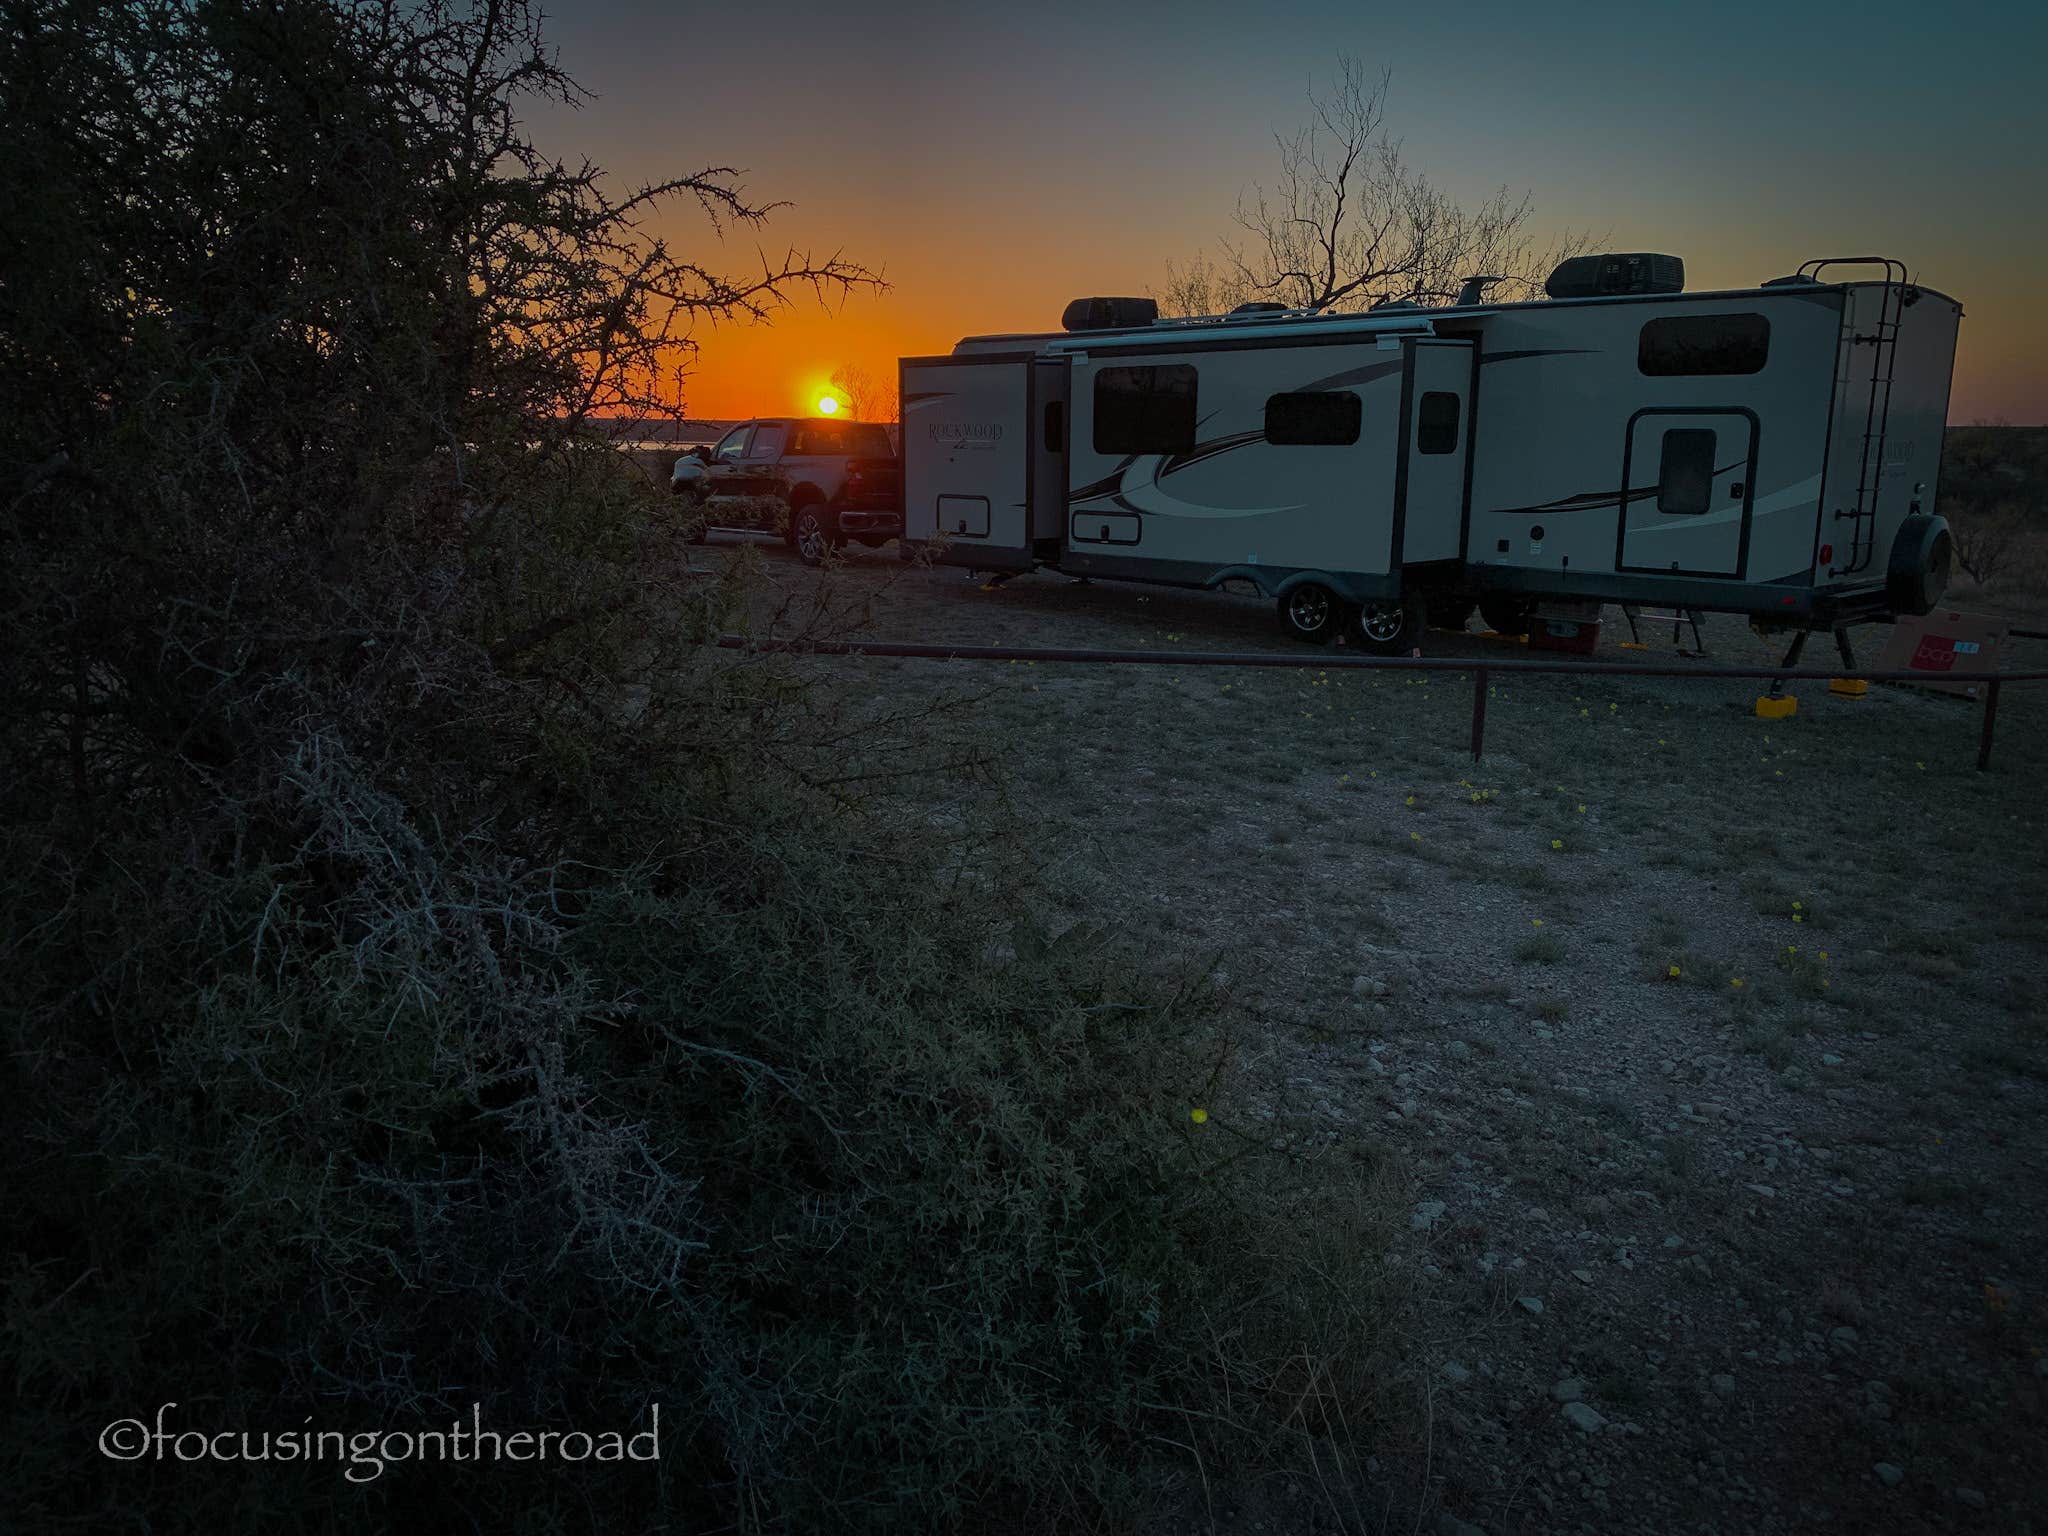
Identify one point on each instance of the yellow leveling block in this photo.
(1768, 708)
(1849, 687)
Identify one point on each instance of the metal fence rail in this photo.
(1325, 662)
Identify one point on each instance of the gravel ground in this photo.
(1714, 1047)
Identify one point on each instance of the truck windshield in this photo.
(863, 439)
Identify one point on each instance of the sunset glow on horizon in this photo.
(1011, 161)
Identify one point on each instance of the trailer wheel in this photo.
(1507, 615)
(1311, 612)
(1392, 626)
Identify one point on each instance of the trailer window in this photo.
(1145, 410)
(1328, 418)
(1703, 344)
(1436, 422)
(1685, 475)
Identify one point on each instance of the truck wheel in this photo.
(1392, 626)
(1507, 615)
(1311, 612)
(810, 530)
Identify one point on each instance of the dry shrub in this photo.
(436, 976)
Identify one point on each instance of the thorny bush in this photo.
(435, 976)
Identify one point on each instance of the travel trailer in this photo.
(1771, 451)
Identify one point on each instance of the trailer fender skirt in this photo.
(1922, 556)
(1780, 708)
(1261, 579)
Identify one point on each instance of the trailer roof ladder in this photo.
(1883, 339)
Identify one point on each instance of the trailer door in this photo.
(1436, 445)
(1048, 457)
(1688, 479)
(967, 458)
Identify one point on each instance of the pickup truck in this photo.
(818, 480)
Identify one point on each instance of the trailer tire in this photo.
(1311, 612)
(1392, 626)
(1922, 558)
(1507, 615)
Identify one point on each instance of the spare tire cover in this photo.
(1922, 556)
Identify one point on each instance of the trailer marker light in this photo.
(1827, 553)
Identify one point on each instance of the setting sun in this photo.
(827, 406)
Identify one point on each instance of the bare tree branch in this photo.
(1349, 223)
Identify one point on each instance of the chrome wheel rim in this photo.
(1381, 621)
(1308, 610)
(810, 535)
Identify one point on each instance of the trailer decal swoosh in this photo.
(1350, 376)
(1208, 450)
(1512, 357)
(1587, 501)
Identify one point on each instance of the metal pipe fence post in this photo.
(1478, 711)
(1990, 716)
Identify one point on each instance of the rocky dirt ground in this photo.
(1714, 1048)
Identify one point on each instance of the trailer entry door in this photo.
(1688, 478)
(968, 452)
(1435, 448)
(1048, 457)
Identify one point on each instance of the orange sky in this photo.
(996, 163)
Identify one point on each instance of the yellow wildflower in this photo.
(1199, 1116)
